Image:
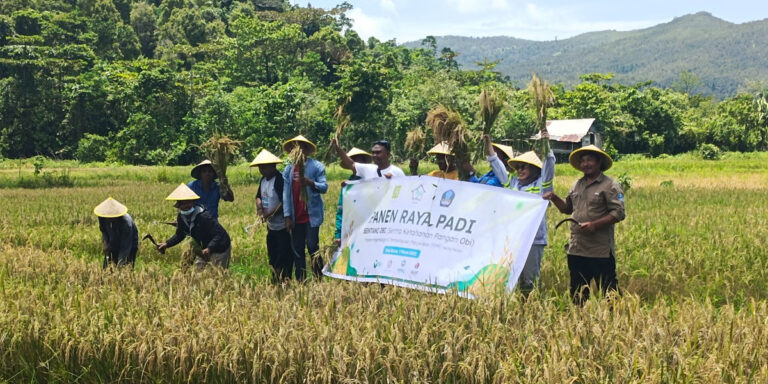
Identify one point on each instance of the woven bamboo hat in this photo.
(440, 149)
(110, 208)
(359, 152)
(199, 168)
(182, 192)
(299, 138)
(506, 149)
(265, 157)
(526, 158)
(575, 157)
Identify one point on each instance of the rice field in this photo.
(692, 257)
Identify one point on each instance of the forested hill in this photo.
(722, 55)
(149, 81)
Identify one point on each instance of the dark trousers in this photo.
(280, 254)
(114, 258)
(307, 237)
(585, 269)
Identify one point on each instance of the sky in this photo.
(409, 20)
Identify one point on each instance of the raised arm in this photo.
(346, 161)
(548, 172)
(497, 166)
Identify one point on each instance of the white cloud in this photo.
(537, 14)
(367, 26)
(478, 6)
(388, 5)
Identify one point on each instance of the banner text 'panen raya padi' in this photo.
(435, 234)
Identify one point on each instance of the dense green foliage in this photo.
(725, 57)
(146, 82)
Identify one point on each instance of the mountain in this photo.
(724, 56)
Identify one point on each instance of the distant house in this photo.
(567, 135)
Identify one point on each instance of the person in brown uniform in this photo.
(596, 203)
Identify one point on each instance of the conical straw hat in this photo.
(440, 149)
(110, 208)
(301, 139)
(265, 157)
(199, 167)
(575, 157)
(366, 157)
(182, 192)
(506, 149)
(355, 151)
(526, 158)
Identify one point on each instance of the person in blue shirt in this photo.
(208, 189)
(492, 150)
(303, 218)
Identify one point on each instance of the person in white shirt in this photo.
(381, 167)
(269, 206)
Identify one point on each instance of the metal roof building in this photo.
(568, 135)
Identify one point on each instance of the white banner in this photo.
(435, 234)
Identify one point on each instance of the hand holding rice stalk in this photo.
(220, 150)
(447, 126)
(543, 98)
(260, 220)
(342, 121)
(299, 161)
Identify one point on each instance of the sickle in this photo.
(152, 239)
(564, 220)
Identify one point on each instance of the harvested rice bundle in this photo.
(543, 98)
(220, 149)
(447, 126)
(299, 161)
(415, 141)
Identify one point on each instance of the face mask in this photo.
(187, 212)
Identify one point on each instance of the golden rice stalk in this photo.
(415, 141)
(342, 120)
(220, 150)
(490, 106)
(448, 126)
(299, 161)
(443, 122)
(543, 98)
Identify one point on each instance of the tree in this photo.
(144, 23)
(687, 83)
(104, 19)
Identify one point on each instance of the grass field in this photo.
(692, 258)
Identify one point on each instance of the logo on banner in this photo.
(417, 193)
(396, 191)
(447, 198)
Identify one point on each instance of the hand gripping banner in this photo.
(435, 235)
